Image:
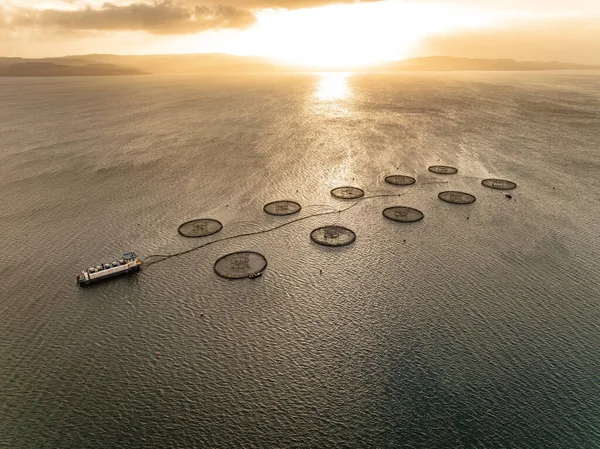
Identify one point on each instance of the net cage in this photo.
(443, 169)
(499, 184)
(283, 207)
(455, 197)
(400, 180)
(333, 236)
(201, 227)
(241, 264)
(403, 214)
(348, 193)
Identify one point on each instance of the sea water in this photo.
(478, 326)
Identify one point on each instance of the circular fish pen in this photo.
(281, 208)
(443, 169)
(400, 180)
(403, 214)
(499, 184)
(333, 236)
(348, 193)
(201, 227)
(455, 197)
(241, 264)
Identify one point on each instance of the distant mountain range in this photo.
(37, 69)
(114, 65)
(446, 63)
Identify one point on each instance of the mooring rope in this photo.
(328, 206)
(163, 257)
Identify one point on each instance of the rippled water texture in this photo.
(475, 327)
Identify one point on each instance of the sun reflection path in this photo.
(332, 95)
(333, 86)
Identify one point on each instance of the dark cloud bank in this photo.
(158, 18)
(166, 17)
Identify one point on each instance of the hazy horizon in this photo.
(275, 61)
(114, 65)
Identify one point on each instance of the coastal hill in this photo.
(447, 63)
(112, 65)
(38, 69)
(191, 63)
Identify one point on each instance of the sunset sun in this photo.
(333, 36)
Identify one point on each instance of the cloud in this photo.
(567, 39)
(157, 18)
(539, 6)
(3, 19)
(162, 17)
(284, 4)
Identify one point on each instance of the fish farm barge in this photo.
(128, 264)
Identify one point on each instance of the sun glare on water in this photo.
(332, 97)
(333, 86)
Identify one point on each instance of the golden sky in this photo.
(316, 32)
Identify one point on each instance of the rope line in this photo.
(163, 257)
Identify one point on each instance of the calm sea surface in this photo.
(478, 327)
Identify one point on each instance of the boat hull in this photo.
(85, 283)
